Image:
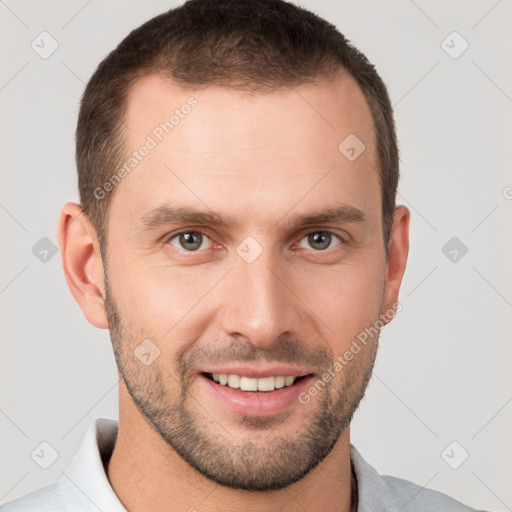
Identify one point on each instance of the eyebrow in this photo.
(166, 215)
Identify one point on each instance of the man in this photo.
(239, 237)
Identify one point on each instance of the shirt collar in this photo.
(87, 472)
(371, 487)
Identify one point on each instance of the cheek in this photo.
(346, 298)
(161, 302)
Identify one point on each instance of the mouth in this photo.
(262, 384)
(255, 396)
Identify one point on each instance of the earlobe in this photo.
(398, 250)
(81, 260)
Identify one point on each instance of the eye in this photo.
(320, 240)
(190, 241)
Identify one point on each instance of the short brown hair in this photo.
(254, 45)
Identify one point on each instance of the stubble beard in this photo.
(257, 457)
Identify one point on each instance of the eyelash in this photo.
(326, 231)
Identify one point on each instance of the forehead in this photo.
(233, 151)
(327, 107)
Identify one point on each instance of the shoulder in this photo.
(408, 496)
(83, 486)
(392, 494)
(56, 497)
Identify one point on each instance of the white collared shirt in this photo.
(84, 485)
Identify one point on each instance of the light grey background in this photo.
(443, 373)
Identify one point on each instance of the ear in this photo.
(398, 249)
(81, 259)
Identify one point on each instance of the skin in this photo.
(261, 159)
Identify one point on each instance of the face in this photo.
(244, 246)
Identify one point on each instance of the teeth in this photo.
(234, 381)
(266, 384)
(248, 384)
(252, 384)
(279, 382)
(288, 381)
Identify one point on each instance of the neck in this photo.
(147, 474)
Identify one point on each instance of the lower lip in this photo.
(257, 403)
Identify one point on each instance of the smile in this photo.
(245, 383)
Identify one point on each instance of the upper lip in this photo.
(257, 372)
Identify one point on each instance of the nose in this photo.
(258, 301)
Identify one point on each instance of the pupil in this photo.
(320, 238)
(188, 239)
